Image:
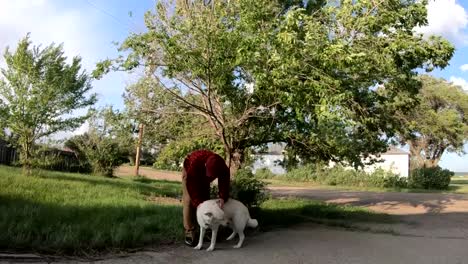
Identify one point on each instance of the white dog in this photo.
(234, 214)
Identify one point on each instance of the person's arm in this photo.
(216, 168)
(193, 189)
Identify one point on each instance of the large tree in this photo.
(39, 91)
(438, 124)
(268, 71)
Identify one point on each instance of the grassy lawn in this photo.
(459, 184)
(73, 214)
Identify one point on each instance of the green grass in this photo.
(459, 184)
(63, 213)
(74, 214)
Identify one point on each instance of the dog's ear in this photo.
(209, 214)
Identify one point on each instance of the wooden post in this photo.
(138, 150)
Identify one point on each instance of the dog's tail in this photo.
(252, 223)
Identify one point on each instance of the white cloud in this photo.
(464, 67)
(48, 24)
(83, 30)
(446, 18)
(82, 129)
(460, 82)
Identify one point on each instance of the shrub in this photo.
(246, 188)
(339, 175)
(102, 154)
(49, 158)
(264, 173)
(303, 173)
(430, 178)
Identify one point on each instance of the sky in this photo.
(88, 28)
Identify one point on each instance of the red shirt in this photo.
(202, 167)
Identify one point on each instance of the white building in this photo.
(270, 159)
(394, 160)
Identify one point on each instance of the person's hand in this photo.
(221, 203)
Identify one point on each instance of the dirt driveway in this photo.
(149, 173)
(434, 215)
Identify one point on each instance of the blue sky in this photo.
(88, 28)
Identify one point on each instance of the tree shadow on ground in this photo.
(425, 202)
(142, 185)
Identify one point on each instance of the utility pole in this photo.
(138, 150)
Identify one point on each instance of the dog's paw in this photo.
(210, 249)
(198, 247)
(237, 246)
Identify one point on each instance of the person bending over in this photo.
(200, 168)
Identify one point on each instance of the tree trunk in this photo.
(416, 161)
(138, 150)
(236, 159)
(429, 159)
(25, 158)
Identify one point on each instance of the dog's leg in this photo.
(241, 239)
(233, 235)
(214, 234)
(200, 241)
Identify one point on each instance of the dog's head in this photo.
(215, 215)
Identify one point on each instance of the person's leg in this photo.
(189, 216)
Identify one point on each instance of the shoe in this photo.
(189, 241)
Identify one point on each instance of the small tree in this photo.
(39, 91)
(103, 147)
(438, 124)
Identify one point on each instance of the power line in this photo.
(118, 20)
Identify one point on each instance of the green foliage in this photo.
(169, 130)
(298, 72)
(101, 147)
(40, 91)
(246, 188)
(338, 175)
(438, 124)
(173, 154)
(49, 158)
(430, 178)
(264, 173)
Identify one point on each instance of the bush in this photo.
(307, 172)
(246, 188)
(339, 175)
(430, 178)
(264, 173)
(102, 154)
(48, 158)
